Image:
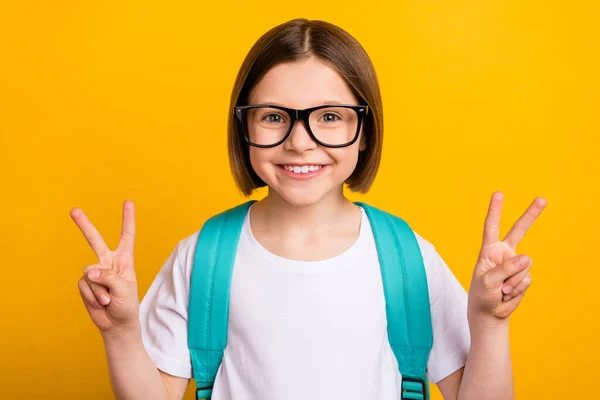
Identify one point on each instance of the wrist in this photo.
(123, 333)
(487, 326)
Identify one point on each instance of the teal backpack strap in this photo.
(208, 311)
(407, 299)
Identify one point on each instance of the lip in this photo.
(308, 175)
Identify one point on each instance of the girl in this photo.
(307, 310)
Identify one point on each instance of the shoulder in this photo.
(428, 250)
(433, 262)
(186, 247)
(439, 276)
(181, 261)
(441, 281)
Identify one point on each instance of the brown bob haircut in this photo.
(296, 40)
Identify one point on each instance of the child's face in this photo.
(301, 85)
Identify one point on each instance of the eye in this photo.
(272, 118)
(330, 117)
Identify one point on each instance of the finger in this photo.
(513, 281)
(513, 302)
(497, 275)
(492, 221)
(86, 269)
(90, 233)
(87, 294)
(99, 291)
(521, 288)
(128, 227)
(107, 278)
(517, 232)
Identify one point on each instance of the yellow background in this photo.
(106, 101)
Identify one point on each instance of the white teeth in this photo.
(304, 169)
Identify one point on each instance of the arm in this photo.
(488, 371)
(133, 374)
(109, 292)
(499, 282)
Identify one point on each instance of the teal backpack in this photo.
(404, 283)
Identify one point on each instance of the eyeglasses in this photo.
(265, 125)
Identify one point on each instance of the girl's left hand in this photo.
(501, 277)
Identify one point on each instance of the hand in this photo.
(109, 288)
(501, 277)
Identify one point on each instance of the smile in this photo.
(302, 171)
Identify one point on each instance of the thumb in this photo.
(507, 269)
(109, 279)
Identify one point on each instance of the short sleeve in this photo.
(448, 303)
(164, 313)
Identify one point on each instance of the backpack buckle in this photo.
(203, 392)
(413, 389)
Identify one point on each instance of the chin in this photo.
(304, 193)
(299, 197)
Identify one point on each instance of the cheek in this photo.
(346, 158)
(259, 159)
(255, 158)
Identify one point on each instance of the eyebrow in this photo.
(275, 103)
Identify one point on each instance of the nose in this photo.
(299, 140)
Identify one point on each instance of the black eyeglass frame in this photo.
(302, 115)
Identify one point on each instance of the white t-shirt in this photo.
(300, 330)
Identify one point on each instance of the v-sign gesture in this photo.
(109, 288)
(501, 277)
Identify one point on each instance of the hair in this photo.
(296, 40)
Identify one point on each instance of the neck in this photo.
(277, 215)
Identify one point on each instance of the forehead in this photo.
(302, 84)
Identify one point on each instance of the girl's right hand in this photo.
(109, 288)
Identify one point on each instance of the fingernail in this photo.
(507, 289)
(93, 273)
(507, 298)
(104, 299)
(523, 261)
